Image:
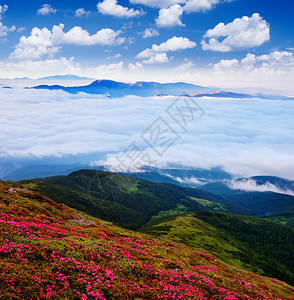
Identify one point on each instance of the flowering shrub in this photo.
(45, 254)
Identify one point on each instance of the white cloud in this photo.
(115, 56)
(200, 5)
(188, 180)
(241, 34)
(79, 36)
(46, 9)
(3, 9)
(185, 66)
(150, 32)
(43, 42)
(173, 44)
(39, 68)
(135, 67)
(157, 54)
(61, 66)
(247, 137)
(226, 64)
(110, 7)
(81, 12)
(157, 58)
(170, 17)
(188, 5)
(158, 4)
(4, 30)
(38, 44)
(278, 62)
(21, 29)
(250, 185)
(105, 69)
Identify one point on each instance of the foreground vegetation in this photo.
(254, 244)
(50, 251)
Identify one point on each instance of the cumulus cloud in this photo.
(157, 54)
(172, 44)
(200, 5)
(150, 32)
(39, 68)
(244, 137)
(170, 17)
(157, 58)
(250, 185)
(278, 62)
(3, 9)
(186, 65)
(110, 7)
(81, 12)
(46, 9)
(104, 69)
(158, 4)
(244, 33)
(43, 42)
(4, 30)
(135, 67)
(51, 67)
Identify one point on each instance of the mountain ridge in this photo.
(116, 89)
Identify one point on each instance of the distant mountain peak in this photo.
(64, 77)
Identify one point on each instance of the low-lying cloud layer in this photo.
(250, 185)
(244, 137)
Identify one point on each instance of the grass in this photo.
(43, 256)
(210, 205)
(244, 242)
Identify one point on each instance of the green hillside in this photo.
(50, 251)
(285, 219)
(246, 242)
(253, 203)
(125, 201)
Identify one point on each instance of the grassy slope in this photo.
(247, 242)
(49, 251)
(285, 219)
(125, 201)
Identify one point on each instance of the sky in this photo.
(238, 45)
(226, 43)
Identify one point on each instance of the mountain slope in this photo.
(257, 203)
(285, 219)
(126, 201)
(49, 251)
(246, 242)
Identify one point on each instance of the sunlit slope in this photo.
(251, 243)
(49, 251)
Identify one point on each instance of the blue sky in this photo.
(215, 42)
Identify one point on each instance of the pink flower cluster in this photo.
(43, 256)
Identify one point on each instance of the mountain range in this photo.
(116, 89)
(118, 198)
